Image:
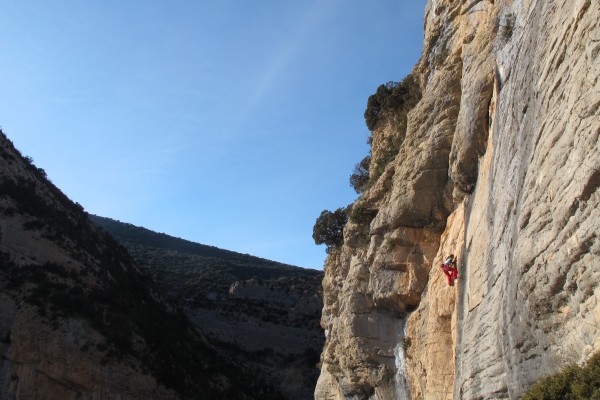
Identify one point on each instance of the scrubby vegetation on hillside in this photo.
(572, 383)
(234, 298)
(188, 271)
(107, 290)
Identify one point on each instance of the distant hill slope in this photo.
(178, 264)
(78, 317)
(263, 314)
(146, 237)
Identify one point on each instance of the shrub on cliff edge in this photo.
(329, 228)
(572, 383)
(392, 97)
(359, 180)
(392, 101)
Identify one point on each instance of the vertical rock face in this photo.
(530, 299)
(502, 150)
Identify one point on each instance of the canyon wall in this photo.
(261, 314)
(59, 294)
(80, 320)
(500, 165)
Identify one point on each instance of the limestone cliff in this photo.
(500, 165)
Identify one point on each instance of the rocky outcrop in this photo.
(500, 165)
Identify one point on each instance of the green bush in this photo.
(391, 100)
(359, 179)
(329, 228)
(572, 383)
(357, 214)
(392, 97)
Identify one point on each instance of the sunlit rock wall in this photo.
(503, 150)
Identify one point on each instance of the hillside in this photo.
(260, 313)
(79, 319)
(188, 270)
(498, 162)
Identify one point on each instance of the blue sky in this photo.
(231, 123)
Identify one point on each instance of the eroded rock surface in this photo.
(502, 150)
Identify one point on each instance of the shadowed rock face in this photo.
(261, 314)
(78, 318)
(503, 151)
(273, 326)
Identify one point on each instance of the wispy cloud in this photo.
(312, 19)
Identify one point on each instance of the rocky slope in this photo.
(272, 327)
(78, 318)
(500, 165)
(262, 314)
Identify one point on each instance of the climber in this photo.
(449, 268)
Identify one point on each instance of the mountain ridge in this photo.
(262, 314)
(80, 318)
(164, 240)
